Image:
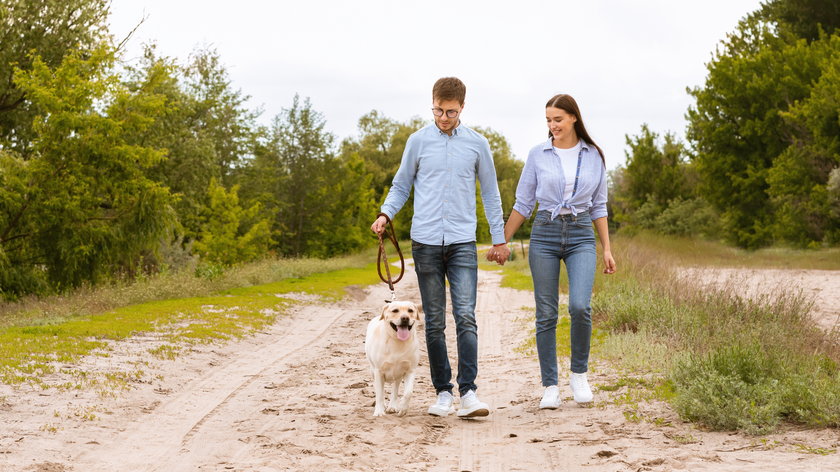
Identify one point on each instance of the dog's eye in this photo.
(395, 311)
(410, 310)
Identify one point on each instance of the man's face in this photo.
(445, 122)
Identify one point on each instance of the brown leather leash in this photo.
(383, 259)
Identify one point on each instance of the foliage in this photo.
(47, 30)
(508, 169)
(798, 179)
(323, 204)
(763, 159)
(205, 129)
(80, 206)
(804, 18)
(653, 172)
(380, 146)
(736, 363)
(232, 234)
(112, 170)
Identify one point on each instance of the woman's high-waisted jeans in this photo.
(569, 238)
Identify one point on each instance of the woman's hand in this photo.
(609, 263)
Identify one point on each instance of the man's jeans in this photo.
(571, 239)
(459, 264)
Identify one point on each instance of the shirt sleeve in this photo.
(490, 193)
(403, 180)
(526, 189)
(599, 198)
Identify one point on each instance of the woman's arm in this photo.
(514, 221)
(500, 254)
(604, 236)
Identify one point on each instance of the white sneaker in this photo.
(580, 388)
(551, 398)
(471, 406)
(443, 406)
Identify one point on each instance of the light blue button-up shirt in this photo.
(443, 171)
(542, 181)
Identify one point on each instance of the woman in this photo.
(566, 176)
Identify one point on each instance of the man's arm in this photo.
(490, 194)
(400, 186)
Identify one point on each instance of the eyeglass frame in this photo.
(438, 111)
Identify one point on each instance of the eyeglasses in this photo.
(449, 113)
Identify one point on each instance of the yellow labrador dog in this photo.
(393, 351)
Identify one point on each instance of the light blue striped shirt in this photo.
(443, 171)
(542, 181)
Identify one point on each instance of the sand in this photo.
(298, 397)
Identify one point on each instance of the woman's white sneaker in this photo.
(551, 398)
(580, 388)
(443, 405)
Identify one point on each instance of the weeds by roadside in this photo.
(165, 286)
(34, 347)
(735, 363)
(722, 359)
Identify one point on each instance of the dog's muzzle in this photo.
(403, 329)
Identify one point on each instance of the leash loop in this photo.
(382, 259)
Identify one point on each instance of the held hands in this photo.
(499, 254)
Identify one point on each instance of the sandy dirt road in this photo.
(298, 397)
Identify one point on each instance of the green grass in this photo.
(735, 363)
(169, 285)
(698, 252)
(29, 352)
(721, 360)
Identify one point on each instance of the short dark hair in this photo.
(449, 88)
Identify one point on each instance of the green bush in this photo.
(752, 389)
(734, 388)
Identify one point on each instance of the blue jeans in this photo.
(459, 264)
(570, 239)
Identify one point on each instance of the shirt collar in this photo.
(455, 131)
(549, 146)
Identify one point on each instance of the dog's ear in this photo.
(382, 315)
(418, 309)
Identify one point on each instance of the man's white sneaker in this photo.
(471, 406)
(443, 406)
(580, 388)
(551, 398)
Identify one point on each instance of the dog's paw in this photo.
(379, 411)
(391, 408)
(402, 411)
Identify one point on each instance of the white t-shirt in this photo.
(568, 159)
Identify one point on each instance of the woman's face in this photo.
(561, 124)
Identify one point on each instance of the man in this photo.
(442, 162)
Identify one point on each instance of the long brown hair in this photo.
(569, 105)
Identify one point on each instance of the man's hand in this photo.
(499, 254)
(378, 226)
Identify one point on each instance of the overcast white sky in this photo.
(625, 62)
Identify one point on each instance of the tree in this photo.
(798, 180)
(80, 207)
(231, 234)
(655, 170)
(52, 29)
(508, 170)
(205, 129)
(737, 128)
(804, 18)
(290, 170)
(380, 146)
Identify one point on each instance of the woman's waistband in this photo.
(547, 215)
